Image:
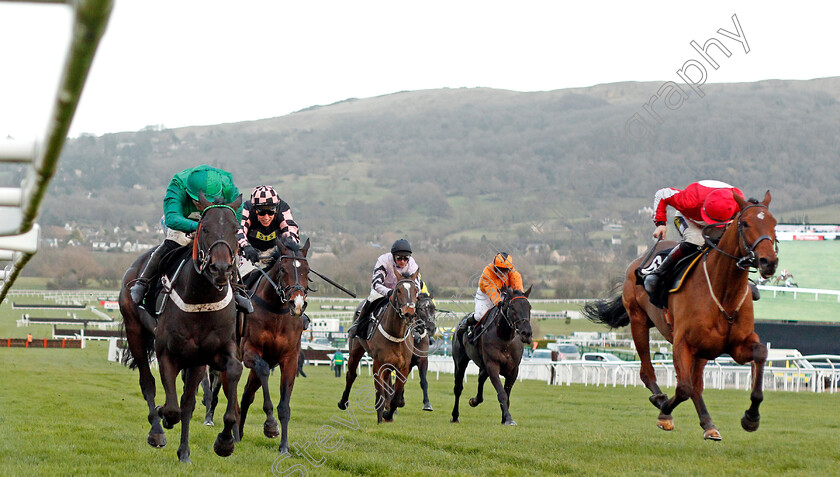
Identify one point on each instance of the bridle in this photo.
(397, 308)
(285, 293)
(750, 259)
(200, 255)
(422, 304)
(504, 311)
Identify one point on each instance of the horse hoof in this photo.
(342, 405)
(454, 420)
(658, 400)
(271, 430)
(510, 423)
(474, 402)
(223, 447)
(749, 424)
(185, 459)
(665, 423)
(712, 435)
(427, 407)
(209, 422)
(157, 439)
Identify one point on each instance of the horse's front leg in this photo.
(479, 395)
(288, 372)
(501, 394)
(192, 378)
(753, 350)
(709, 430)
(355, 357)
(230, 380)
(396, 390)
(379, 386)
(683, 364)
(423, 367)
(251, 386)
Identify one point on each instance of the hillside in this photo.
(468, 171)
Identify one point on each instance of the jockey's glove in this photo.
(251, 253)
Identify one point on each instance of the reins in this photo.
(201, 258)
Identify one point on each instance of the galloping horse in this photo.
(196, 328)
(425, 326)
(496, 352)
(709, 315)
(388, 349)
(272, 335)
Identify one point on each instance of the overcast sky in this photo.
(190, 62)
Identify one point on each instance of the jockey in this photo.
(181, 216)
(265, 217)
(497, 275)
(389, 269)
(702, 203)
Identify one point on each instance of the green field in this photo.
(71, 412)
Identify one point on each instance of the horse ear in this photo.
(414, 276)
(766, 200)
(305, 248)
(738, 200)
(202, 201)
(528, 291)
(236, 203)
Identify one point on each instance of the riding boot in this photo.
(305, 321)
(141, 284)
(357, 321)
(677, 253)
(471, 325)
(756, 295)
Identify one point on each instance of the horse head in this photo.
(214, 246)
(426, 312)
(756, 229)
(404, 297)
(516, 310)
(292, 275)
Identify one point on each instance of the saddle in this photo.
(170, 265)
(475, 332)
(377, 308)
(671, 282)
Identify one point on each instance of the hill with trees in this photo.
(553, 177)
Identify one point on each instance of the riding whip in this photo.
(334, 284)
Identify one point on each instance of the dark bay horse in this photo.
(497, 352)
(711, 314)
(388, 349)
(272, 335)
(196, 328)
(425, 327)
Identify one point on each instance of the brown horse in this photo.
(195, 329)
(388, 349)
(272, 335)
(424, 328)
(497, 351)
(711, 314)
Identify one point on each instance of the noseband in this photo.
(285, 293)
(201, 256)
(750, 260)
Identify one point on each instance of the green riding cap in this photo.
(183, 189)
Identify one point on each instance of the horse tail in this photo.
(609, 311)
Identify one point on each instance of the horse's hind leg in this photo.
(479, 395)
(423, 367)
(258, 377)
(288, 371)
(461, 361)
(215, 387)
(156, 437)
(753, 350)
(640, 329)
(356, 353)
(192, 378)
(223, 446)
(170, 413)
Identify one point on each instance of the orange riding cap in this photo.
(491, 283)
